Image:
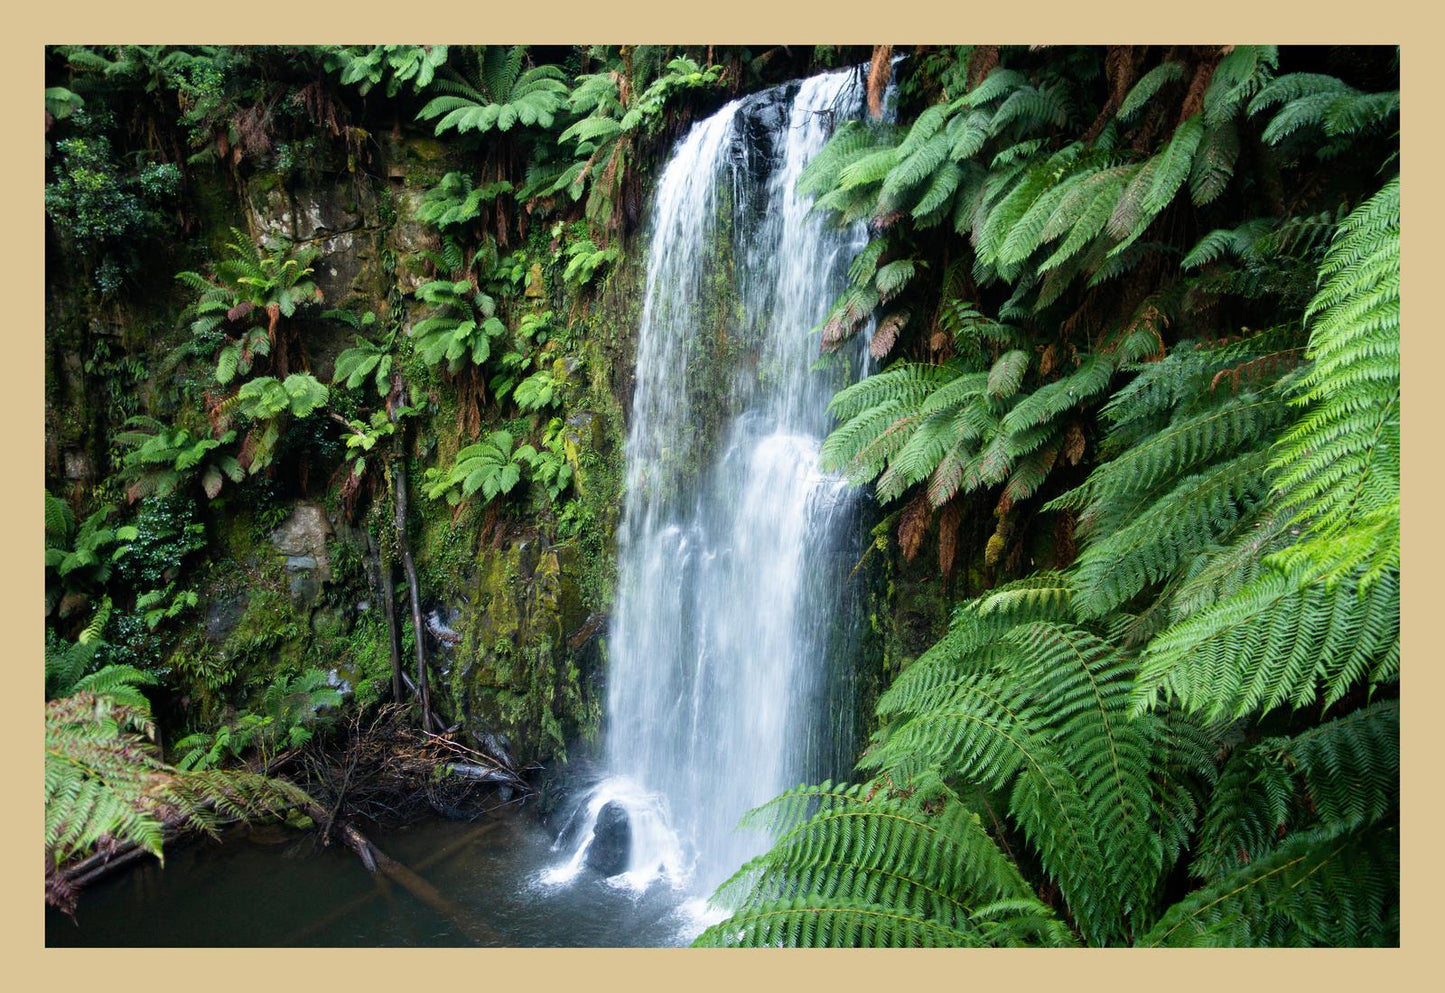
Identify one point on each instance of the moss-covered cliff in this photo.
(279, 561)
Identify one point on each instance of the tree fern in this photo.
(1342, 460)
(500, 95)
(1154, 716)
(1326, 887)
(1075, 766)
(879, 867)
(1278, 642)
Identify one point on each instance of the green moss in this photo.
(515, 675)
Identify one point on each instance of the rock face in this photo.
(222, 616)
(514, 678)
(338, 218)
(302, 539)
(611, 847)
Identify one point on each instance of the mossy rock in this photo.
(515, 680)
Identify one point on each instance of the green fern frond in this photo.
(1280, 641)
(1325, 887)
(1342, 460)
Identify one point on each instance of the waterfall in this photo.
(736, 611)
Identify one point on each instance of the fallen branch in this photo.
(376, 860)
(432, 860)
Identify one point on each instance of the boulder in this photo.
(302, 539)
(305, 590)
(222, 616)
(611, 847)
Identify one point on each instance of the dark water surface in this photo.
(274, 887)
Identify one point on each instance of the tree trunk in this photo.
(403, 541)
(409, 567)
(386, 598)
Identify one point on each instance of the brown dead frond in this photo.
(880, 71)
(913, 525)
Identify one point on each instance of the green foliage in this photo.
(497, 93)
(1341, 462)
(242, 303)
(91, 201)
(614, 112)
(161, 459)
(291, 709)
(236, 357)
(299, 394)
(464, 329)
(958, 429)
(1190, 735)
(367, 359)
(80, 557)
(494, 467)
(104, 780)
(66, 662)
(1310, 101)
(365, 434)
(584, 259)
(398, 65)
(455, 201)
(60, 103)
(166, 532)
(880, 867)
(549, 465)
(269, 402)
(537, 391)
(1329, 886)
(162, 605)
(1281, 640)
(106, 207)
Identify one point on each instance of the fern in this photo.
(1342, 460)
(882, 869)
(1149, 84)
(1177, 715)
(1277, 642)
(492, 467)
(1327, 887)
(103, 781)
(499, 95)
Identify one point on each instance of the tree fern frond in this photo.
(1341, 461)
(1280, 641)
(1329, 887)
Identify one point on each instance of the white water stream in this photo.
(734, 631)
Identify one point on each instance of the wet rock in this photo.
(585, 430)
(439, 625)
(563, 368)
(223, 615)
(536, 285)
(339, 680)
(330, 622)
(611, 847)
(305, 590)
(409, 238)
(337, 217)
(519, 679)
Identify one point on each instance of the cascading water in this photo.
(735, 607)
